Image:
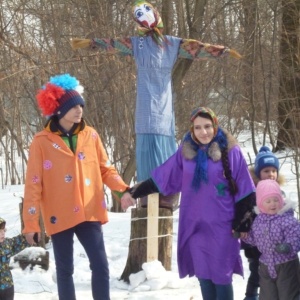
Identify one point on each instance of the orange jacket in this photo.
(67, 186)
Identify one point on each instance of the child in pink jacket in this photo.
(276, 233)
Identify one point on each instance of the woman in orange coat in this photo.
(66, 171)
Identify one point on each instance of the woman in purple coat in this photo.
(276, 234)
(216, 198)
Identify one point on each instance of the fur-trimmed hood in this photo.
(288, 205)
(214, 151)
(268, 239)
(280, 177)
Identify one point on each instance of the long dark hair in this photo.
(233, 188)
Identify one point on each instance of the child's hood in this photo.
(288, 206)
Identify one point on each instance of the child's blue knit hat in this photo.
(265, 158)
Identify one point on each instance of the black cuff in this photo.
(143, 189)
(244, 215)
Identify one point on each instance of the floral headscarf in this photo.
(149, 21)
(208, 111)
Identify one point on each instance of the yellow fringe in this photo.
(80, 43)
(235, 54)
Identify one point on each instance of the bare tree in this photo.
(289, 105)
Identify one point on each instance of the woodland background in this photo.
(261, 91)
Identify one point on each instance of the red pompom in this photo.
(48, 97)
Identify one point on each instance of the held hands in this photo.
(127, 201)
(283, 248)
(239, 235)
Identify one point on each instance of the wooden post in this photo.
(152, 227)
(137, 252)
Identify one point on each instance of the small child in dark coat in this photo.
(8, 248)
(266, 167)
(276, 234)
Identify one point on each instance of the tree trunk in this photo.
(249, 25)
(195, 24)
(289, 104)
(137, 252)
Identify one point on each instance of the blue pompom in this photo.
(264, 149)
(65, 81)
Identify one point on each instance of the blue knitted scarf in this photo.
(201, 158)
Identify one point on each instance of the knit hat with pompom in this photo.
(59, 95)
(265, 158)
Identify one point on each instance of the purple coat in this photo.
(269, 230)
(206, 247)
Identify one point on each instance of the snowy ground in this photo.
(38, 284)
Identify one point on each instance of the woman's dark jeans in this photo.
(211, 291)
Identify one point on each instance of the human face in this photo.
(203, 130)
(2, 235)
(144, 14)
(74, 115)
(268, 173)
(271, 205)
